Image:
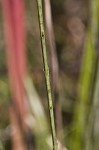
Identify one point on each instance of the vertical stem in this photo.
(46, 71)
(90, 143)
(86, 82)
(54, 69)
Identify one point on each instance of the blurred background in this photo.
(72, 39)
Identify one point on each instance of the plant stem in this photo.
(86, 82)
(46, 71)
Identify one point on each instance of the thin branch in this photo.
(54, 68)
(46, 71)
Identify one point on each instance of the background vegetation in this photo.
(75, 82)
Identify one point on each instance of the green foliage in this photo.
(85, 85)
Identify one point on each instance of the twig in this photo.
(46, 71)
(54, 69)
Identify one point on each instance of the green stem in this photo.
(86, 80)
(46, 71)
